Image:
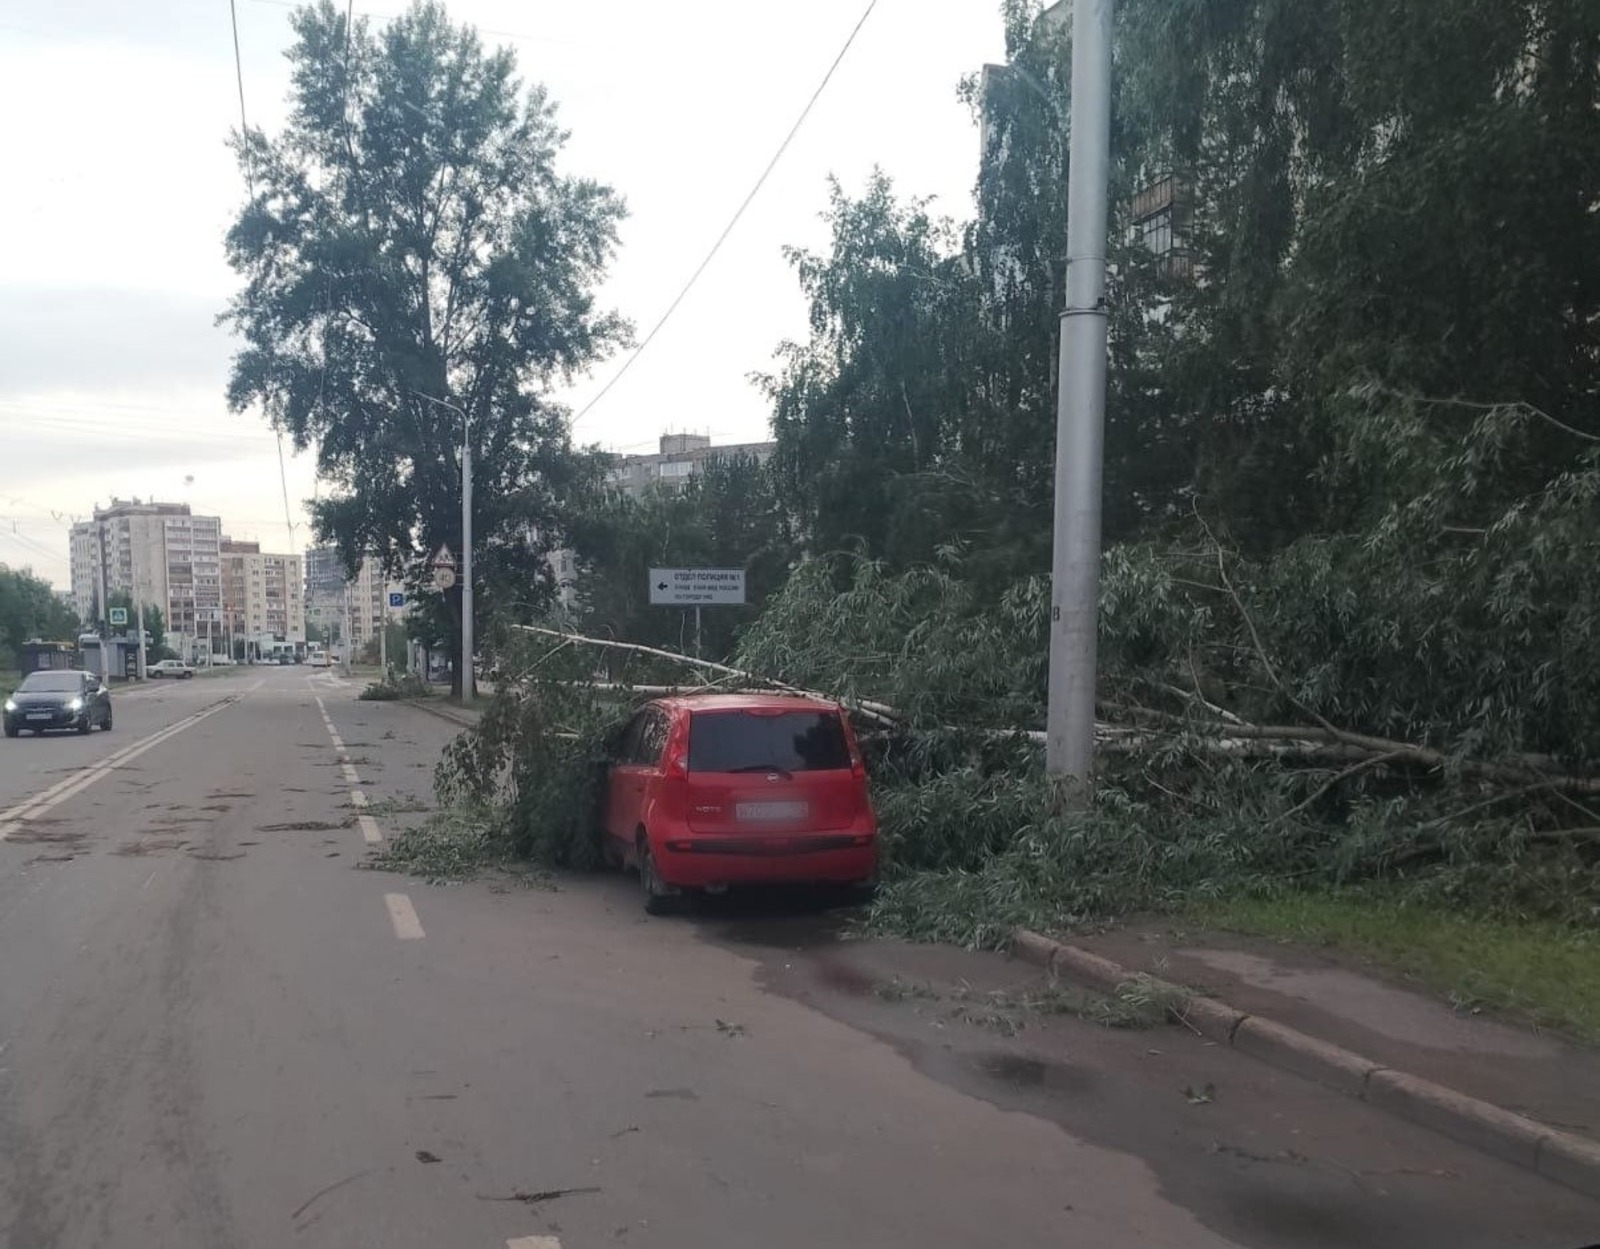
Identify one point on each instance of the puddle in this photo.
(1022, 1071)
(304, 826)
(837, 974)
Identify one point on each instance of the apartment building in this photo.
(263, 594)
(681, 456)
(159, 554)
(329, 594)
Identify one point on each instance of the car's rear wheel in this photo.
(107, 725)
(659, 897)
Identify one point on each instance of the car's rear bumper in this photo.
(695, 861)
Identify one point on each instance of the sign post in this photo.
(697, 588)
(397, 599)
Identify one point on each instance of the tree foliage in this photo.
(410, 234)
(1351, 465)
(29, 609)
(728, 515)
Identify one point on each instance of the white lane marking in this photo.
(403, 916)
(534, 1242)
(369, 829)
(148, 881)
(80, 780)
(357, 798)
(321, 706)
(350, 774)
(338, 742)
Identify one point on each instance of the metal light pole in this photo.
(469, 683)
(1081, 406)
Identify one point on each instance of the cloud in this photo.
(107, 339)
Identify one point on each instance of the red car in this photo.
(711, 790)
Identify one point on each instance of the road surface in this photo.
(217, 1029)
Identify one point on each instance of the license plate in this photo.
(771, 810)
(40, 715)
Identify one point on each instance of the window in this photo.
(652, 739)
(677, 468)
(748, 741)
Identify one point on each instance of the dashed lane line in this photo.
(534, 1242)
(403, 916)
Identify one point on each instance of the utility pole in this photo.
(138, 594)
(469, 676)
(469, 682)
(1080, 408)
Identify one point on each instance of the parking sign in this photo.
(397, 598)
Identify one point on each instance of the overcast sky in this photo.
(118, 189)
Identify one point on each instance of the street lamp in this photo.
(469, 685)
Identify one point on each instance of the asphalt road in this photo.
(216, 1030)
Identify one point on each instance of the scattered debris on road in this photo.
(533, 1199)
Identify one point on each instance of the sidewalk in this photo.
(1347, 1025)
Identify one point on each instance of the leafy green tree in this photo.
(29, 609)
(410, 234)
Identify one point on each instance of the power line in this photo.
(728, 229)
(250, 184)
(238, 73)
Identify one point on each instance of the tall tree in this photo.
(409, 243)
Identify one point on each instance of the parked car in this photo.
(58, 699)
(706, 791)
(174, 668)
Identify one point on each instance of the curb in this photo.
(1560, 1156)
(466, 719)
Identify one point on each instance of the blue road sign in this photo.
(397, 598)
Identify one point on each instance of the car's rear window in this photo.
(745, 741)
(51, 682)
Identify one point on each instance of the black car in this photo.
(58, 699)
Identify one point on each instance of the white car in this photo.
(174, 668)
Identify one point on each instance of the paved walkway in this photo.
(1338, 999)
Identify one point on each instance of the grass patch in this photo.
(1541, 972)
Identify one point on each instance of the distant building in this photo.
(365, 597)
(324, 572)
(159, 554)
(681, 457)
(263, 595)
